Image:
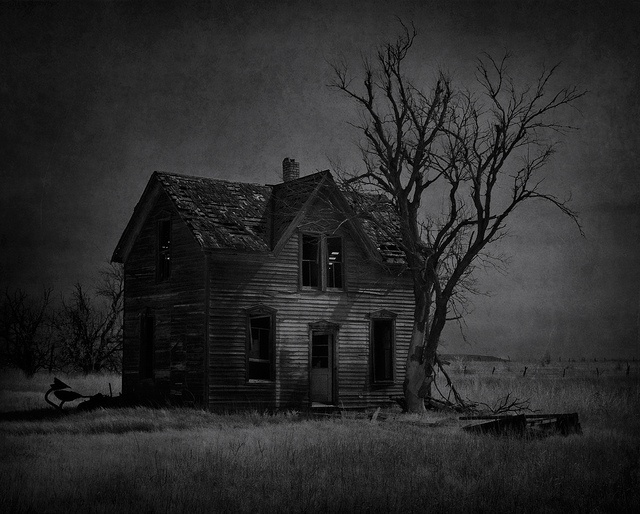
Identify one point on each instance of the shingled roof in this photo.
(221, 214)
(252, 217)
(379, 222)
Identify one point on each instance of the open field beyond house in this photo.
(187, 460)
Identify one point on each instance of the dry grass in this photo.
(187, 460)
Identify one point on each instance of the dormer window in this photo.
(321, 262)
(163, 250)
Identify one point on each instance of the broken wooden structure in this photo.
(532, 425)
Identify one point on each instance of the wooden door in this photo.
(321, 372)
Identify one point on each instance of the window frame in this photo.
(258, 312)
(163, 254)
(318, 237)
(327, 263)
(323, 263)
(390, 317)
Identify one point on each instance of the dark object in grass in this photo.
(531, 425)
(67, 396)
(58, 389)
(100, 401)
(63, 393)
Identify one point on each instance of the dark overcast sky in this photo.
(98, 95)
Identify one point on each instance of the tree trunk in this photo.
(416, 383)
(423, 348)
(418, 376)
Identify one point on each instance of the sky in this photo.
(98, 95)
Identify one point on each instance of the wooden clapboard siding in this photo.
(222, 267)
(177, 304)
(240, 281)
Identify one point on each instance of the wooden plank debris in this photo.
(532, 425)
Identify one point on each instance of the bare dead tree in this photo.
(89, 331)
(480, 152)
(25, 331)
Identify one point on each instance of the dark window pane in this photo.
(334, 249)
(259, 370)
(309, 274)
(382, 340)
(334, 262)
(334, 275)
(320, 362)
(260, 348)
(310, 246)
(320, 350)
(310, 261)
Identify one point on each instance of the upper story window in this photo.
(260, 344)
(310, 260)
(322, 262)
(163, 250)
(334, 262)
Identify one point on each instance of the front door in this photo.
(321, 367)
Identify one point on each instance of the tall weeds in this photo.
(194, 461)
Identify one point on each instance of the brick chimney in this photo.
(290, 169)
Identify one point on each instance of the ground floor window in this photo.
(260, 344)
(382, 347)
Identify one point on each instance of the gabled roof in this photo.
(252, 217)
(290, 199)
(219, 213)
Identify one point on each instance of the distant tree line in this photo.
(80, 333)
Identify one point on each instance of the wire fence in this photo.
(562, 369)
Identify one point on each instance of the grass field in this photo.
(180, 460)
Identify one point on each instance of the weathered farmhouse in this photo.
(250, 296)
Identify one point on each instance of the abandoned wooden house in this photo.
(256, 296)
